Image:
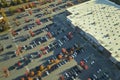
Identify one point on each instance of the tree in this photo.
(59, 56)
(59, 1)
(12, 3)
(41, 67)
(70, 57)
(30, 12)
(82, 63)
(19, 1)
(25, 1)
(52, 61)
(33, 4)
(15, 1)
(23, 7)
(62, 78)
(6, 72)
(69, 3)
(48, 67)
(32, 73)
(85, 67)
(64, 50)
(11, 9)
(29, 78)
(27, 6)
(39, 73)
(4, 4)
(42, 1)
(18, 10)
(3, 1)
(22, 78)
(57, 61)
(3, 14)
(30, 5)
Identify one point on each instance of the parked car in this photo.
(8, 46)
(47, 73)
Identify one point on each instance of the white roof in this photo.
(101, 19)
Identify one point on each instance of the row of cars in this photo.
(72, 73)
(48, 71)
(76, 71)
(49, 62)
(38, 54)
(27, 36)
(99, 75)
(40, 40)
(29, 57)
(21, 15)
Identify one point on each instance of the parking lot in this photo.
(50, 47)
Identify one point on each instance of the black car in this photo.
(18, 30)
(9, 46)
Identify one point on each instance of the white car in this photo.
(39, 42)
(31, 46)
(66, 74)
(95, 76)
(47, 72)
(73, 78)
(46, 38)
(73, 56)
(92, 62)
(99, 70)
(75, 53)
(35, 43)
(31, 56)
(49, 61)
(25, 47)
(60, 42)
(76, 74)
